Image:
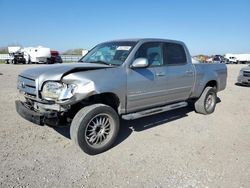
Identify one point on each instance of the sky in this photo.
(207, 27)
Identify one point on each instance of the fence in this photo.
(4, 56)
(65, 58)
(70, 58)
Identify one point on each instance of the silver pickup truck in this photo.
(244, 76)
(123, 78)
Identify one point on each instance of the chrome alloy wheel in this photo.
(210, 101)
(99, 130)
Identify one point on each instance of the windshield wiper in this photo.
(101, 62)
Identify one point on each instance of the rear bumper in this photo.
(28, 114)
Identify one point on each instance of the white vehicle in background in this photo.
(36, 55)
(243, 58)
(32, 55)
(12, 51)
(237, 58)
(84, 52)
(15, 55)
(244, 76)
(195, 61)
(209, 60)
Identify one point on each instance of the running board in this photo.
(152, 111)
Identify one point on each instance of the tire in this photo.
(93, 123)
(28, 62)
(207, 102)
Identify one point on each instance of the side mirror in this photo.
(140, 63)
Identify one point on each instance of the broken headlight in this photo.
(57, 91)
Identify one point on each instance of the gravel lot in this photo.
(174, 149)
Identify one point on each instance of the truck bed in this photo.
(206, 71)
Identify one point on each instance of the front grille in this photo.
(26, 85)
(246, 73)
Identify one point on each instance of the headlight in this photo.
(57, 91)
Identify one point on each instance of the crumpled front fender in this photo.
(82, 91)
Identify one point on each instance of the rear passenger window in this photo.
(174, 54)
(152, 51)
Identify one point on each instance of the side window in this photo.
(152, 51)
(174, 54)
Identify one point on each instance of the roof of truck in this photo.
(145, 40)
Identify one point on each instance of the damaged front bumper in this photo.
(39, 118)
(28, 114)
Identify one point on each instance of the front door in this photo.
(142, 89)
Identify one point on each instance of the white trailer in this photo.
(237, 58)
(243, 58)
(36, 55)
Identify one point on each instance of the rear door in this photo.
(176, 78)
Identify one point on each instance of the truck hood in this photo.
(246, 68)
(56, 72)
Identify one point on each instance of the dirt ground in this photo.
(174, 149)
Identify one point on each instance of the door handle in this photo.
(160, 74)
(189, 72)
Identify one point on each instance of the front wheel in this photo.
(207, 101)
(95, 128)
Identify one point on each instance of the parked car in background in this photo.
(218, 59)
(55, 57)
(244, 76)
(123, 78)
(215, 59)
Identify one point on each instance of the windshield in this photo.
(111, 53)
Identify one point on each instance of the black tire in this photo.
(207, 102)
(84, 123)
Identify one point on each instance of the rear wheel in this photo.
(207, 102)
(94, 128)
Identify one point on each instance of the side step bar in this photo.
(152, 111)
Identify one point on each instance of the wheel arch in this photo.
(212, 83)
(108, 98)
